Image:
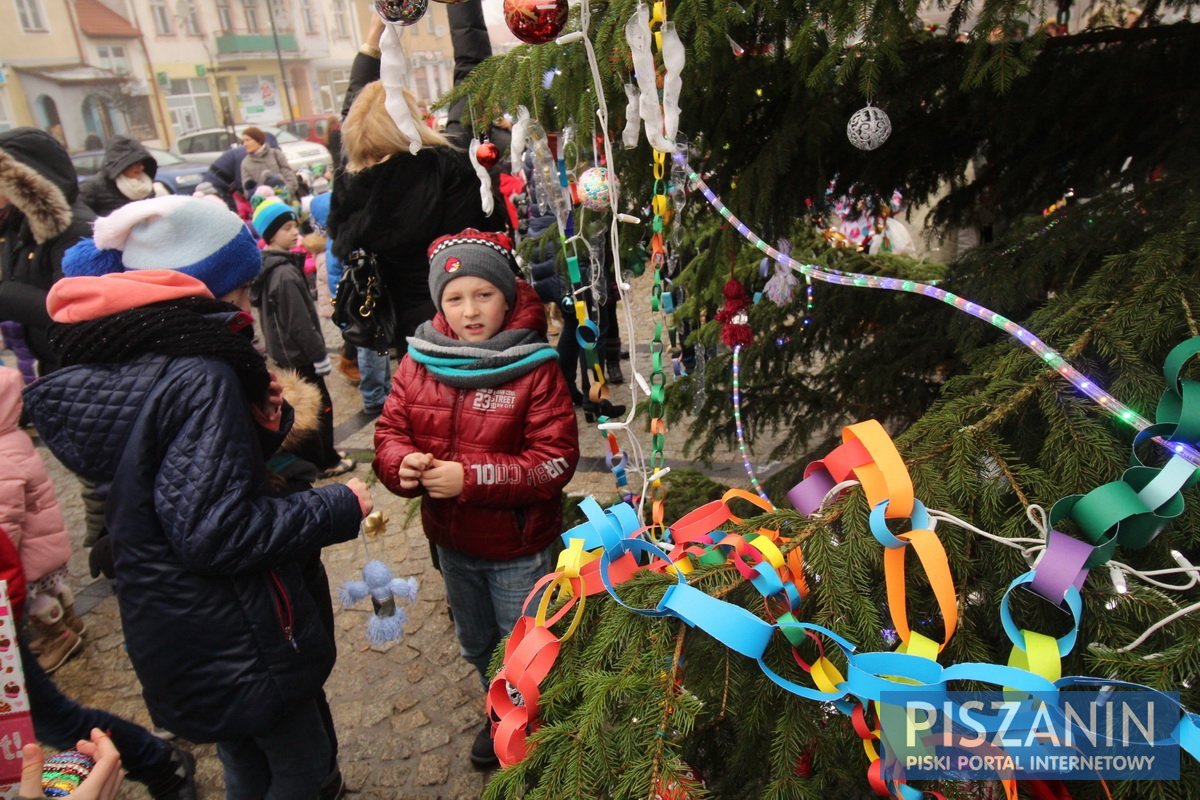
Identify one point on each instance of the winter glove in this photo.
(324, 366)
(100, 558)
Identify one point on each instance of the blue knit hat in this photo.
(208, 242)
(271, 215)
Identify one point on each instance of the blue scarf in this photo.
(479, 365)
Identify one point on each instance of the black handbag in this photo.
(361, 307)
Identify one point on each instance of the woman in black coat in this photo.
(393, 203)
(41, 216)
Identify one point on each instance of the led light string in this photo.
(1049, 355)
(741, 431)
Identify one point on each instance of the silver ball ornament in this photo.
(404, 12)
(868, 128)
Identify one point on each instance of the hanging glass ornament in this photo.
(594, 187)
(535, 21)
(487, 155)
(868, 128)
(404, 12)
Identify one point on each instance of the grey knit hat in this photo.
(476, 253)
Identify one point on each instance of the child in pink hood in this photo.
(30, 515)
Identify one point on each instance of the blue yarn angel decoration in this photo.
(387, 623)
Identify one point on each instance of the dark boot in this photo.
(613, 374)
(483, 754)
(176, 780)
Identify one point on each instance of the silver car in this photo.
(205, 145)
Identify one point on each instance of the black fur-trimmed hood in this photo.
(38, 178)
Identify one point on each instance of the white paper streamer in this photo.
(485, 181)
(392, 71)
(674, 59)
(637, 34)
(633, 119)
(519, 129)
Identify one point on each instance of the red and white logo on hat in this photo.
(453, 264)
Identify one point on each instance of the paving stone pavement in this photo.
(407, 713)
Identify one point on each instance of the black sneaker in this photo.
(483, 754)
(180, 782)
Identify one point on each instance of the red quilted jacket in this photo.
(518, 444)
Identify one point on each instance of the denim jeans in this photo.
(61, 722)
(289, 763)
(375, 371)
(486, 598)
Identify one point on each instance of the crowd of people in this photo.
(170, 353)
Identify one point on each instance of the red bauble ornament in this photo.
(804, 766)
(487, 154)
(672, 790)
(535, 21)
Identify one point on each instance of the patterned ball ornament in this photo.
(595, 189)
(535, 21)
(62, 774)
(868, 128)
(404, 12)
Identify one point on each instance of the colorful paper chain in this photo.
(610, 542)
(1052, 357)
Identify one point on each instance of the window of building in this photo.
(31, 15)
(280, 14)
(191, 105)
(141, 118)
(333, 85)
(112, 58)
(191, 18)
(339, 19)
(251, 9)
(5, 117)
(224, 17)
(310, 19)
(162, 17)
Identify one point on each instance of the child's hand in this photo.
(411, 468)
(269, 413)
(101, 784)
(443, 479)
(365, 503)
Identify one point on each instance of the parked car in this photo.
(178, 175)
(205, 145)
(312, 129)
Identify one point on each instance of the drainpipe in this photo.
(163, 116)
(75, 30)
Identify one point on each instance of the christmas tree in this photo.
(987, 131)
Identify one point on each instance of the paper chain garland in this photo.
(1129, 512)
(604, 551)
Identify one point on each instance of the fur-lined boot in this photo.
(57, 642)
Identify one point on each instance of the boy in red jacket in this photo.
(479, 424)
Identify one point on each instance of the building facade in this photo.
(75, 68)
(87, 70)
